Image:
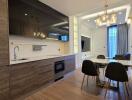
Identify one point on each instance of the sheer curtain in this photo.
(122, 39)
(112, 41)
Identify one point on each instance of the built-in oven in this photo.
(59, 68)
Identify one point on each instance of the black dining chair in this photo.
(89, 69)
(123, 57)
(127, 56)
(116, 71)
(119, 57)
(101, 65)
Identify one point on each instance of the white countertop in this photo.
(106, 61)
(37, 58)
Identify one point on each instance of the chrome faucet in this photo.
(15, 55)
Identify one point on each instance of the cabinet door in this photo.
(22, 79)
(45, 71)
(4, 52)
(4, 83)
(69, 63)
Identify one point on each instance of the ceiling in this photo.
(80, 7)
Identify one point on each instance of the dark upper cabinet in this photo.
(27, 17)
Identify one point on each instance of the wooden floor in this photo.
(69, 89)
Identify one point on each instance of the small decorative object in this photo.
(39, 35)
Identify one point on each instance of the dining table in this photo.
(106, 62)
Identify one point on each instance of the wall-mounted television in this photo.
(64, 38)
(28, 17)
(85, 44)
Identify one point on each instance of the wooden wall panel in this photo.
(4, 83)
(4, 51)
(4, 33)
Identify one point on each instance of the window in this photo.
(112, 41)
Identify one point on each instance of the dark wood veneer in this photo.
(4, 51)
(4, 32)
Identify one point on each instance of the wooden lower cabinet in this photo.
(4, 83)
(27, 77)
(22, 79)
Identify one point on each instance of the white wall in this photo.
(84, 30)
(99, 41)
(53, 47)
(130, 38)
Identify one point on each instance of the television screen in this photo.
(29, 17)
(64, 38)
(85, 44)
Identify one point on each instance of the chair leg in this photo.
(83, 81)
(104, 73)
(107, 86)
(129, 87)
(125, 91)
(117, 84)
(87, 79)
(126, 88)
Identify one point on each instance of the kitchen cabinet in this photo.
(29, 76)
(4, 32)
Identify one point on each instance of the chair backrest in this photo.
(100, 57)
(119, 57)
(127, 56)
(89, 68)
(116, 71)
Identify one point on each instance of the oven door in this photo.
(59, 66)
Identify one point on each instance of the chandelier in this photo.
(106, 19)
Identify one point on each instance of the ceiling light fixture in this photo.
(106, 19)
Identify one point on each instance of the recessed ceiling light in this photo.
(120, 13)
(120, 23)
(25, 14)
(88, 20)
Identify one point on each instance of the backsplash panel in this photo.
(49, 47)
